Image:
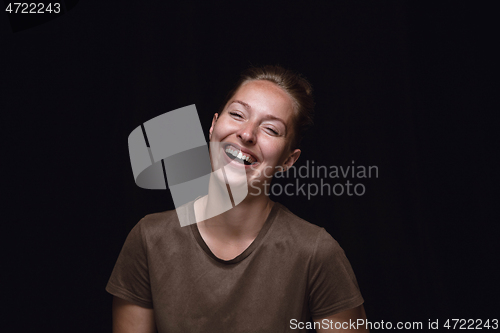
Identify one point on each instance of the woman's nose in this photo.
(247, 133)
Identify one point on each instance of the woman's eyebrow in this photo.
(273, 117)
(247, 106)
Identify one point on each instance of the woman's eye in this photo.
(235, 114)
(272, 131)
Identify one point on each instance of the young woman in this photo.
(256, 267)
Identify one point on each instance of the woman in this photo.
(256, 267)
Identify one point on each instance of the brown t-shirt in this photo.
(292, 271)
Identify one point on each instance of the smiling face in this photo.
(256, 130)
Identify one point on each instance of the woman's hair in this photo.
(296, 86)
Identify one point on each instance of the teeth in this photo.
(239, 154)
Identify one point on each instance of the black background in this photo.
(406, 86)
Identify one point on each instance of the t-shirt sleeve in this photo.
(333, 285)
(130, 277)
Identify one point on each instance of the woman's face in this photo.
(256, 125)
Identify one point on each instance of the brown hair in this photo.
(296, 86)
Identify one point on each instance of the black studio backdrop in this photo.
(399, 85)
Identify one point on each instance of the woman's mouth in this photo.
(238, 156)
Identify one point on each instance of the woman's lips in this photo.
(240, 152)
(238, 155)
(229, 151)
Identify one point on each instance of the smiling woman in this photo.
(256, 267)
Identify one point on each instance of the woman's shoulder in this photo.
(161, 223)
(288, 219)
(303, 232)
(159, 219)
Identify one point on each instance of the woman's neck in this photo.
(240, 223)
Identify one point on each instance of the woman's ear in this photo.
(214, 120)
(291, 159)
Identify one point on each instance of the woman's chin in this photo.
(236, 178)
(231, 177)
